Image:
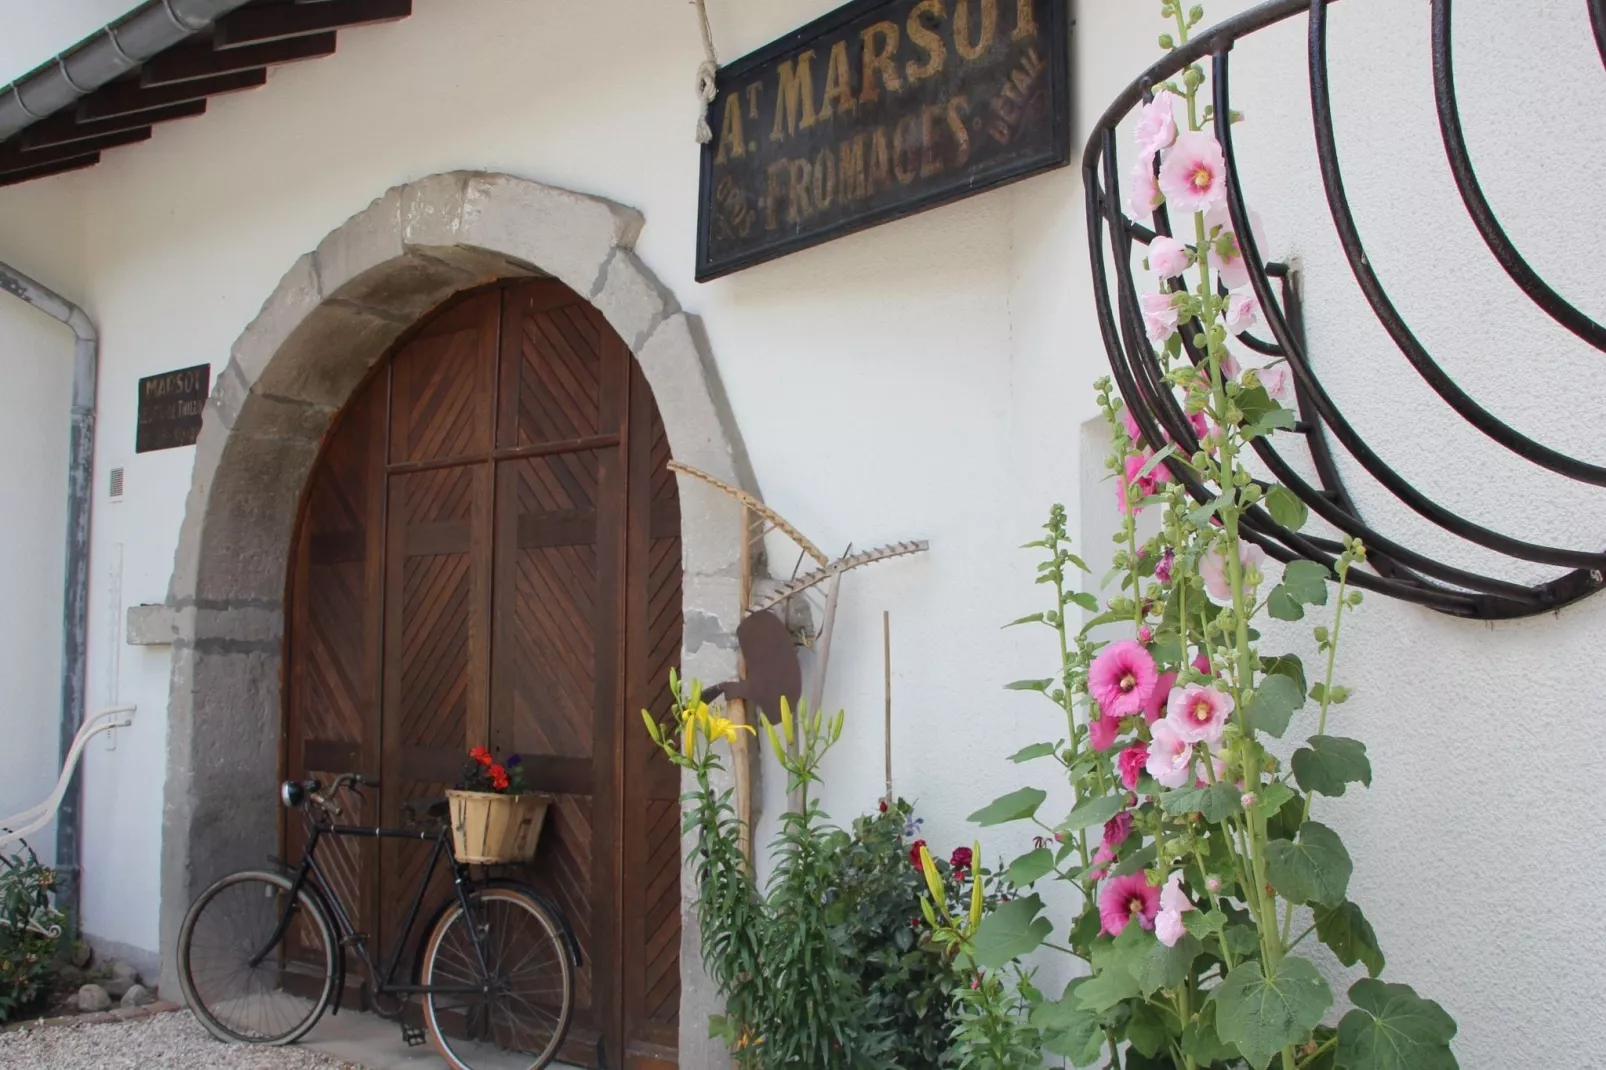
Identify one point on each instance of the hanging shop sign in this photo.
(170, 407)
(878, 110)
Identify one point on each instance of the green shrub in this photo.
(30, 930)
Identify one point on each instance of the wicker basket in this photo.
(489, 829)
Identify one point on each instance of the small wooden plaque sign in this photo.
(875, 111)
(170, 407)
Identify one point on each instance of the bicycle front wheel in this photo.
(256, 967)
(505, 981)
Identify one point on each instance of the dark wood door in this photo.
(490, 555)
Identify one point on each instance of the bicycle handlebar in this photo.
(296, 793)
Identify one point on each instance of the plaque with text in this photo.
(170, 407)
(878, 110)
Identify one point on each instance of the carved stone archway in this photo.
(335, 313)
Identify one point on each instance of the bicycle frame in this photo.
(309, 873)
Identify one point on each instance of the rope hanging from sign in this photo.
(706, 70)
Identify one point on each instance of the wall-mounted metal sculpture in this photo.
(1399, 570)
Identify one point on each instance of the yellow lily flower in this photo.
(933, 878)
(723, 729)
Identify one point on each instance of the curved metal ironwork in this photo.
(1397, 570)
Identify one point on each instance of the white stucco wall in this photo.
(929, 379)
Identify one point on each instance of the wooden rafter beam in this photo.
(258, 25)
(15, 158)
(124, 98)
(60, 167)
(62, 129)
(189, 62)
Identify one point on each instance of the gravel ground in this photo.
(173, 1041)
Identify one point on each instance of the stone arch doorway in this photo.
(488, 554)
(334, 315)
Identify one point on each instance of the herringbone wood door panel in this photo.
(490, 554)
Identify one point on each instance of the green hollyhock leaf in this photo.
(1286, 665)
(1273, 796)
(1200, 1040)
(1316, 869)
(1016, 806)
(1092, 812)
(1030, 618)
(1068, 1029)
(1216, 802)
(1331, 763)
(1030, 867)
(1147, 1032)
(1104, 990)
(1274, 703)
(1036, 750)
(1009, 932)
(1168, 967)
(1345, 930)
(1029, 685)
(1286, 508)
(1282, 605)
(1306, 582)
(1204, 923)
(1262, 1014)
(1392, 1028)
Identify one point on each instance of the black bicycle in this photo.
(262, 953)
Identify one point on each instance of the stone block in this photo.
(327, 354)
(371, 237)
(432, 209)
(683, 384)
(295, 298)
(569, 235)
(631, 300)
(152, 625)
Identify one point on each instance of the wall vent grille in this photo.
(117, 483)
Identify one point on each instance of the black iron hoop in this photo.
(1399, 571)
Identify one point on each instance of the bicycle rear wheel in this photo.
(521, 974)
(272, 1000)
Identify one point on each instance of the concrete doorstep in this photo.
(373, 1042)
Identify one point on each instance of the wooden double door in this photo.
(489, 554)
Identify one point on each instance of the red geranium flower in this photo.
(481, 755)
(914, 853)
(961, 858)
(498, 777)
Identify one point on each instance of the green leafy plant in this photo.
(30, 930)
(1194, 847)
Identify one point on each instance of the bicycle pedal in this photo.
(413, 1035)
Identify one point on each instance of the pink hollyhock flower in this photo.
(1173, 904)
(1145, 196)
(1154, 709)
(1170, 756)
(1145, 634)
(1233, 268)
(1157, 124)
(1230, 368)
(1213, 569)
(1122, 678)
(1168, 257)
(1198, 714)
(1159, 316)
(1243, 312)
(1201, 661)
(1117, 829)
(1162, 571)
(1131, 763)
(1128, 899)
(1102, 732)
(1279, 383)
(1130, 422)
(1194, 174)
